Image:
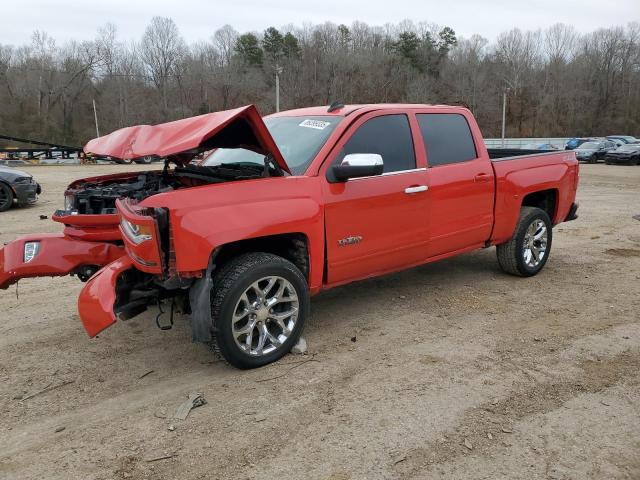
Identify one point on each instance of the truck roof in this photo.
(348, 109)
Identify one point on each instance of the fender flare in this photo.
(200, 303)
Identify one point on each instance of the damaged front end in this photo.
(145, 276)
(53, 255)
(148, 275)
(109, 227)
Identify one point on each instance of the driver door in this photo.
(380, 223)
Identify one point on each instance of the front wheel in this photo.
(528, 250)
(6, 197)
(260, 302)
(593, 159)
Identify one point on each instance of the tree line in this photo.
(557, 82)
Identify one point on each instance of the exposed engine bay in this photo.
(98, 195)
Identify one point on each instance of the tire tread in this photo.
(507, 252)
(226, 278)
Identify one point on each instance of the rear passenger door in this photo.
(380, 223)
(461, 182)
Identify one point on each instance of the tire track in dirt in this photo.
(530, 398)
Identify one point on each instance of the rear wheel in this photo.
(528, 250)
(634, 160)
(144, 160)
(593, 159)
(260, 302)
(6, 197)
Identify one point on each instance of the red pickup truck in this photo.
(286, 206)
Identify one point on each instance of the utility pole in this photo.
(278, 70)
(95, 117)
(504, 112)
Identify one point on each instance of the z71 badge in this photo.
(353, 240)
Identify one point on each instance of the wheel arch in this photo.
(291, 246)
(4, 182)
(546, 200)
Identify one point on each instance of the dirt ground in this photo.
(450, 370)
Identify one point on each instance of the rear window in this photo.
(447, 138)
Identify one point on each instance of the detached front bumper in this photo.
(98, 297)
(56, 255)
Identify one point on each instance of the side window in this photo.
(388, 136)
(447, 138)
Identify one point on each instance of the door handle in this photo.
(416, 189)
(482, 177)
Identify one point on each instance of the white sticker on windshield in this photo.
(317, 124)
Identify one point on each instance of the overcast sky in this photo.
(198, 19)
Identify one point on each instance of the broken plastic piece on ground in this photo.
(300, 348)
(195, 400)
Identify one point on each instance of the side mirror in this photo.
(357, 165)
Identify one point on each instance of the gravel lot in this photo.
(450, 370)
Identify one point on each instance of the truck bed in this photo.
(527, 171)
(507, 153)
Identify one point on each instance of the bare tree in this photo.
(561, 83)
(225, 39)
(161, 49)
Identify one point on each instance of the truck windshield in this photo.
(298, 138)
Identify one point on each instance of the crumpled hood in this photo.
(183, 139)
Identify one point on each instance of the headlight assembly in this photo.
(136, 233)
(68, 202)
(31, 249)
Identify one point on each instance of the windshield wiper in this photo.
(223, 172)
(269, 160)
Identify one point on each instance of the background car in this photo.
(539, 146)
(574, 143)
(18, 187)
(625, 138)
(617, 141)
(629, 154)
(593, 151)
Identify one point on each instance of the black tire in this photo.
(511, 256)
(592, 159)
(143, 160)
(229, 284)
(6, 197)
(633, 161)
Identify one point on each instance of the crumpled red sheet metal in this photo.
(180, 136)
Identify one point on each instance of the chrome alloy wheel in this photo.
(265, 315)
(535, 243)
